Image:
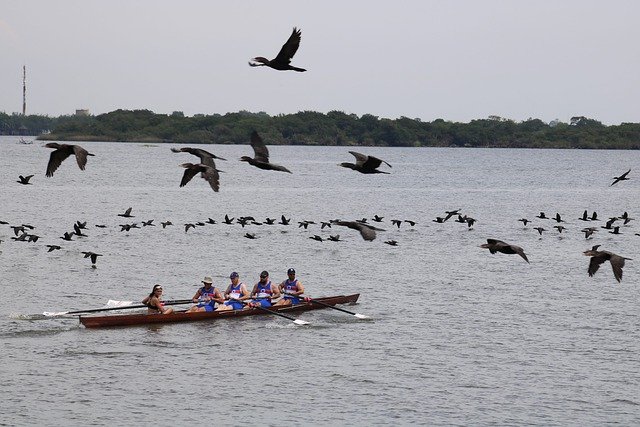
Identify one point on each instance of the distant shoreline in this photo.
(334, 128)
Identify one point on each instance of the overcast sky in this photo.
(455, 60)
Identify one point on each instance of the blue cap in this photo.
(291, 271)
(264, 274)
(234, 275)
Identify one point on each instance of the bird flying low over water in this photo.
(92, 255)
(623, 177)
(126, 214)
(364, 164)
(261, 155)
(204, 155)
(368, 232)
(282, 61)
(598, 257)
(24, 180)
(61, 152)
(499, 246)
(208, 173)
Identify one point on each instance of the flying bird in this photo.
(24, 180)
(316, 237)
(61, 152)
(206, 158)
(92, 255)
(623, 177)
(368, 232)
(126, 214)
(365, 164)
(499, 246)
(598, 257)
(261, 155)
(208, 173)
(392, 242)
(282, 62)
(53, 248)
(335, 238)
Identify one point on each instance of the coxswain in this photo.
(153, 303)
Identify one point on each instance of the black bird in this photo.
(594, 216)
(53, 248)
(261, 155)
(200, 224)
(560, 228)
(24, 180)
(211, 221)
(625, 216)
(609, 224)
(316, 237)
(461, 219)
(368, 232)
(363, 220)
(438, 219)
(588, 231)
(208, 173)
(284, 221)
(542, 216)
(377, 218)
(470, 221)
(92, 255)
(188, 226)
(17, 229)
(304, 224)
(540, 229)
(205, 156)
(335, 238)
(282, 61)
(396, 222)
(29, 226)
(598, 257)
(499, 246)
(250, 236)
(126, 214)
(67, 236)
(585, 216)
(61, 152)
(227, 220)
(270, 221)
(21, 238)
(82, 225)
(78, 231)
(364, 164)
(411, 223)
(623, 177)
(451, 213)
(165, 223)
(392, 242)
(148, 223)
(616, 230)
(558, 218)
(325, 224)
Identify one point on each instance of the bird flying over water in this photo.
(368, 232)
(282, 61)
(364, 164)
(208, 173)
(598, 257)
(92, 255)
(24, 180)
(61, 152)
(499, 246)
(126, 214)
(623, 177)
(205, 156)
(261, 155)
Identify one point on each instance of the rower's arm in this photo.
(217, 297)
(196, 296)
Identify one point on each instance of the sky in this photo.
(453, 60)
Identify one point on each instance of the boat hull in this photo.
(147, 319)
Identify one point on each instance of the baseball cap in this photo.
(234, 275)
(264, 274)
(291, 271)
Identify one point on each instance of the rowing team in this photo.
(236, 296)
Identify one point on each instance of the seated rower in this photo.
(206, 297)
(236, 293)
(155, 306)
(291, 289)
(264, 292)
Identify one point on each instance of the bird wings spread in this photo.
(289, 48)
(261, 153)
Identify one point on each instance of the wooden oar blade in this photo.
(301, 322)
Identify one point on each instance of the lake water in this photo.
(458, 336)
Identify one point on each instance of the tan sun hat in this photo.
(207, 279)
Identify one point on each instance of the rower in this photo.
(152, 301)
(264, 292)
(291, 289)
(206, 297)
(236, 293)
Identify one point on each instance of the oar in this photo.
(293, 319)
(358, 315)
(94, 310)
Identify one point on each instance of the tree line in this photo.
(333, 128)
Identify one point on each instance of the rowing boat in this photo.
(145, 319)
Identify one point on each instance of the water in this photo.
(458, 336)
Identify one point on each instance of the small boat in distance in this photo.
(181, 316)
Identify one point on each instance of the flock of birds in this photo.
(365, 164)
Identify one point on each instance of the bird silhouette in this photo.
(499, 246)
(270, 221)
(211, 221)
(365, 164)
(560, 228)
(261, 155)
(227, 220)
(250, 236)
(24, 180)
(558, 218)
(208, 173)
(377, 218)
(598, 257)
(324, 224)
(61, 152)
(396, 222)
(282, 61)
(588, 231)
(368, 232)
(335, 238)
(392, 242)
(316, 237)
(594, 216)
(67, 236)
(410, 222)
(284, 221)
(206, 158)
(126, 214)
(165, 223)
(187, 226)
(542, 216)
(92, 255)
(540, 229)
(451, 213)
(148, 223)
(585, 216)
(623, 177)
(53, 248)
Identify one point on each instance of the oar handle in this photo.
(293, 319)
(128, 307)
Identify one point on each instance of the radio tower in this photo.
(24, 90)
